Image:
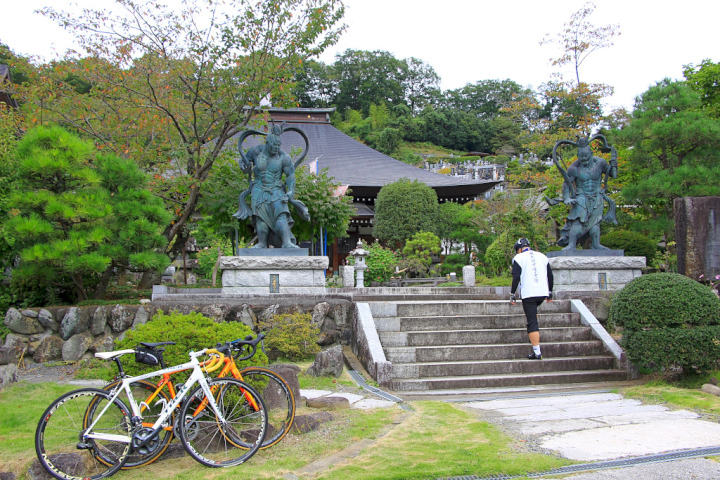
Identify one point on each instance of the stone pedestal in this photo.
(468, 276)
(270, 275)
(594, 273)
(347, 272)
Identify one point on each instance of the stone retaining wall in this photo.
(72, 333)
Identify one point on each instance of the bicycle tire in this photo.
(278, 398)
(216, 445)
(59, 442)
(144, 389)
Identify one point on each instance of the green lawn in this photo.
(432, 440)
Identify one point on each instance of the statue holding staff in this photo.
(585, 191)
(270, 194)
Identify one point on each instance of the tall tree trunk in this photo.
(104, 282)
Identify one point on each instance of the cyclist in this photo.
(532, 273)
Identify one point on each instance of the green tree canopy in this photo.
(418, 251)
(402, 209)
(675, 151)
(169, 80)
(76, 215)
(705, 79)
(329, 209)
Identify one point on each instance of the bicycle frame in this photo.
(230, 367)
(197, 376)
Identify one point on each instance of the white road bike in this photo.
(89, 433)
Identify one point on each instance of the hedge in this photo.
(664, 300)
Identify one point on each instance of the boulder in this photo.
(308, 423)
(216, 312)
(121, 318)
(8, 375)
(319, 313)
(710, 388)
(76, 346)
(99, 320)
(269, 312)
(29, 313)
(329, 403)
(7, 355)
(49, 349)
(19, 323)
(247, 316)
(46, 319)
(141, 317)
(273, 394)
(75, 321)
(103, 343)
(17, 342)
(328, 362)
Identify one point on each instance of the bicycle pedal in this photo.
(83, 446)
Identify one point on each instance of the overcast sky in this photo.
(470, 40)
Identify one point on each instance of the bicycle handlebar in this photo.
(215, 362)
(250, 342)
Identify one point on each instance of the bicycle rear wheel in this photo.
(223, 444)
(279, 401)
(60, 443)
(141, 391)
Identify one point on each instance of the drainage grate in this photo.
(626, 462)
(376, 391)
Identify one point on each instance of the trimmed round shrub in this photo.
(669, 321)
(661, 349)
(664, 300)
(190, 332)
(635, 244)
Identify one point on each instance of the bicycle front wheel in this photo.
(62, 443)
(279, 401)
(142, 390)
(229, 441)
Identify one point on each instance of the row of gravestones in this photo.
(70, 333)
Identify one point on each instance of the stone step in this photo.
(438, 297)
(486, 336)
(452, 353)
(466, 322)
(452, 308)
(501, 367)
(510, 380)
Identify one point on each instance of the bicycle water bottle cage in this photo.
(148, 356)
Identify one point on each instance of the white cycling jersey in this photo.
(533, 274)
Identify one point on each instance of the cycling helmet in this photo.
(522, 243)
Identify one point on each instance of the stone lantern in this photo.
(360, 253)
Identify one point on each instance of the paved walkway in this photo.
(356, 401)
(592, 427)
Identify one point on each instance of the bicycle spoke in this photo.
(62, 447)
(218, 444)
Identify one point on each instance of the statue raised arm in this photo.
(585, 191)
(271, 188)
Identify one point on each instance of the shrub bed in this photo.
(668, 320)
(191, 331)
(635, 244)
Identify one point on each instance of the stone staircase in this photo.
(471, 344)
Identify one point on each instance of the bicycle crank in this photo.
(145, 440)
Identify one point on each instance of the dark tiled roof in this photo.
(364, 169)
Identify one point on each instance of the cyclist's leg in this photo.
(279, 401)
(60, 443)
(217, 444)
(142, 391)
